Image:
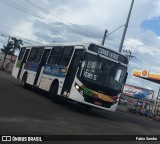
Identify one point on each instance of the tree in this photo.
(16, 44)
(7, 50)
(10, 48)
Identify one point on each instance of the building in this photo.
(153, 77)
(9, 62)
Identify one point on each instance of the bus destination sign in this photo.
(108, 53)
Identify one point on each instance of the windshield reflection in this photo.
(102, 72)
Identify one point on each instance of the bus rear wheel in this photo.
(53, 93)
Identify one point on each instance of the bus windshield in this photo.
(102, 74)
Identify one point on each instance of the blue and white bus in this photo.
(87, 73)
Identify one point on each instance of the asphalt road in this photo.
(24, 111)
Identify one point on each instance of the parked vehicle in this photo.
(149, 114)
(132, 110)
(123, 101)
(141, 112)
(157, 117)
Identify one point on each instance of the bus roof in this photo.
(85, 44)
(58, 44)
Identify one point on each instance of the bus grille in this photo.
(92, 100)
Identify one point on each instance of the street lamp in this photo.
(104, 37)
(105, 33)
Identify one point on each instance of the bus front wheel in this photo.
(53, 92)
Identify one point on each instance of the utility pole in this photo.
(104, 37)
(125, 29)
(129, 54)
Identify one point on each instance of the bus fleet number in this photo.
(89, 75)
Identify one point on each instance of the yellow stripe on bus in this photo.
(102, 97)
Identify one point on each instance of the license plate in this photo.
(98, 103)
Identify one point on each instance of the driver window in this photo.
(118, 75)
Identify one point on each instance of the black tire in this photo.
(53, 92)
(23, 82)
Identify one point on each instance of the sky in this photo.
(58, 21)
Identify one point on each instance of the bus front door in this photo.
(72, 71)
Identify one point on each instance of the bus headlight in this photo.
(79, 89)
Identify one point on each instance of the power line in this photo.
(6, 27)
(20, 38)
(21, 8)
(118, 37)
(61, 18)
(7, 35)
(28, 1)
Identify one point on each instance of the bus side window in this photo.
(65, 56)
(32, 55)
(46, 55)
(21, 53)
(38, 54)
(54, 55)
